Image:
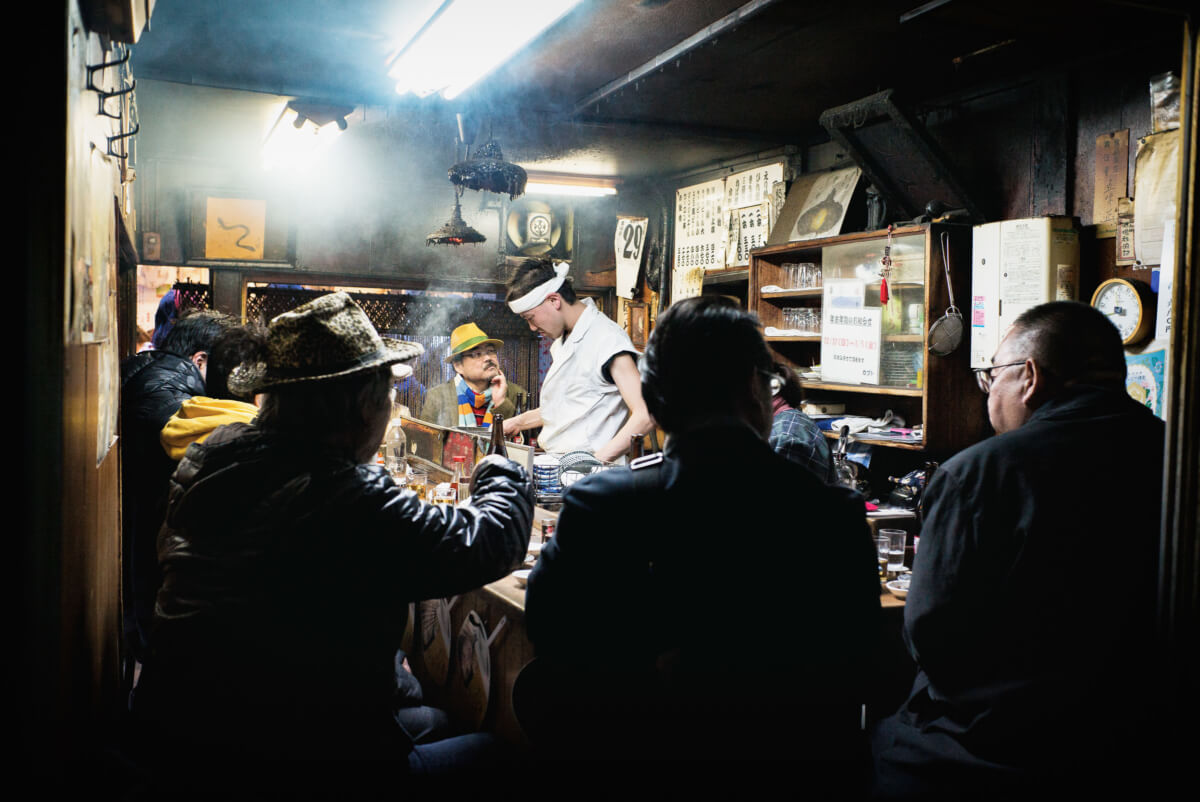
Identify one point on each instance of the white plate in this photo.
(521, 576)
(896, 590)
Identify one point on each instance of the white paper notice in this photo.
(1155, 171)
(1166, 280)
(700, 226)
(850, 335)
(629, 244)
(752, 187)
(748, 229)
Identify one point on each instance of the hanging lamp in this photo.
(488, 170)
(456, 231)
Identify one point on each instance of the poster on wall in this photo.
(750, 198)
(1145, 376)
(1156, 169)
(700, 226)
(823, 208)
(629, 244)
(233, 226)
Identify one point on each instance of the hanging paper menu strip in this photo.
(750, 202)
(700, 226)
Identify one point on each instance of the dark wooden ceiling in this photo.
(759, 71)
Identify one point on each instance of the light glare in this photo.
(469, 40)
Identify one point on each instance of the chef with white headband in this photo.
(591, 399)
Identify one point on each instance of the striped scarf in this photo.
(469, 401)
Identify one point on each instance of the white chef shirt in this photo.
(581, 409)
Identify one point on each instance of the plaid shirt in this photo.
(797, 437)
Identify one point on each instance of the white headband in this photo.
(539, 293)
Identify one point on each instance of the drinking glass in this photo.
(881, 547)
(897, 540)
(418, 482)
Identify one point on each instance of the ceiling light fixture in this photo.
(464, 40)
(488, 170)
(567, 184)
(456, 231)
(302, 132)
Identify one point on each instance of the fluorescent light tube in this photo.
(545, 188)
(467, 40)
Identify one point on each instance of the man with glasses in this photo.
(478, 390)
(1028, 678)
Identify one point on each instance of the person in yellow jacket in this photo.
(199, 416)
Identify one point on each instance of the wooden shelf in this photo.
(948, 405)
(805, 293)
(872, 389)
(874, 439)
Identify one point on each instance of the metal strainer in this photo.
(946, 333)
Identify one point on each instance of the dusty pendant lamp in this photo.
(455, 232)
(488, 170)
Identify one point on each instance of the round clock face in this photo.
(1120, 303)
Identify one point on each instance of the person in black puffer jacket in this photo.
(289, 563)
(153, 386)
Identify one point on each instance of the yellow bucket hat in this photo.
(466, 337)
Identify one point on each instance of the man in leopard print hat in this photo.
(289, 563)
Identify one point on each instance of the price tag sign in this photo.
(629, 245)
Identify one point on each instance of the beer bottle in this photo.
(636, 446)
(497, 445)
(519, 406)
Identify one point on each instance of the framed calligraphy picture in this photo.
(229, 226)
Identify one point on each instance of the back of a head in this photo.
(196, 331)
(234, 346)
(701, 358)
(1074, 342)
(531, 273)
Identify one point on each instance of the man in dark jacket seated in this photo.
(289, 561)
(1031, 609)
(707, 615)
(153, 386)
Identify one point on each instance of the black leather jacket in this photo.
(153, 386)
(287, 577)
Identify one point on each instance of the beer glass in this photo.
(897, 540)
(418, 481)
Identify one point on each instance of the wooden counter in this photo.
(501, 605)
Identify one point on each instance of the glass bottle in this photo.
(497, 445)
(636, 446)
(458, 485)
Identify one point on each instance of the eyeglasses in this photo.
(983, 376)
(775, 381)
(478, 353)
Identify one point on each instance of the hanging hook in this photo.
(111, 139)
(94, 68)
(104, 97)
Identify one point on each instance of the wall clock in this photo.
(1129, 304)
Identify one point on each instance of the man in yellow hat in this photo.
(478, 391)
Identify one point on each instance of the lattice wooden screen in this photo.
(428, 320)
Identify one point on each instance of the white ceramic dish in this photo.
(522, 576)
(897, 591)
